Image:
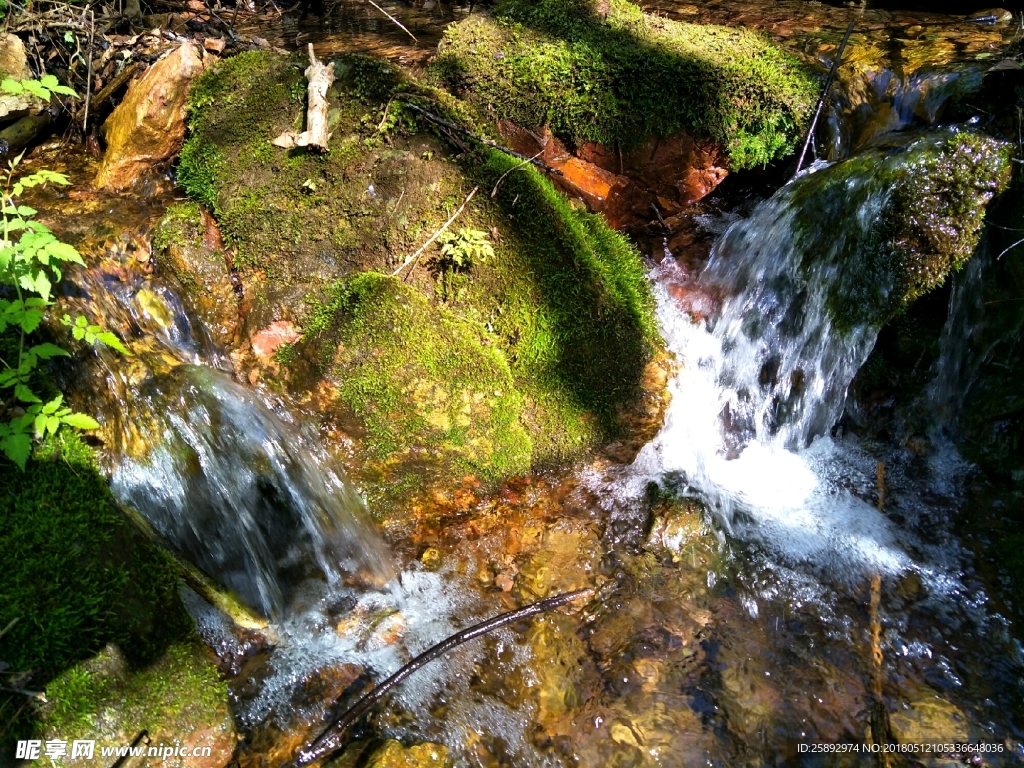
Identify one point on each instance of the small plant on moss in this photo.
(461, 250)
(29, 267)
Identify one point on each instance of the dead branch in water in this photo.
(415, 257)
(400, 25)
(330, 740)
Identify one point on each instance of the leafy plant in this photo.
(459, 251)
(42, 88)
(30, 267)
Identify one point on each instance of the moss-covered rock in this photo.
(77, 574)
(199, 267)
(614, 75)
(179, 701)
(922, 207)
(556, 315)
(421, 380)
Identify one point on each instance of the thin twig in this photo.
(1009, 249)
(824, 94)
(21, 691)
(415, 257)
(88, 76)
(10, 625)
(400, 24)
(527, 161)
(476, 137)
(330, 740)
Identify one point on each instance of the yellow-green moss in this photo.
(422, 380)
(562, 304)
(179, 697)
(624, 76)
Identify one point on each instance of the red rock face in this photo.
(672, 173)
(270, 339)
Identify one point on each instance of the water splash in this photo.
(241, 492)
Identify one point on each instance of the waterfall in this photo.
(803, 286)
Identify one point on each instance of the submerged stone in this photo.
(394, 755)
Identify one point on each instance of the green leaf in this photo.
(49, 81)
(65, 91)
(40, 425)
(64, 252)
(36, 89)
(17, 448)
(52, 424)
(25, 395)
(42, 284)
(80, 421)
(24, 210)
(52, 406)
(69, 38)
(30, 320)
(78, 333)
(47, 350)
(110, 340)
(11, 86)
(81, 322)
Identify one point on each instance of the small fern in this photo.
(461, 250)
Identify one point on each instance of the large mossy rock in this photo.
(179, 700)
(608, 73)
(556, 319)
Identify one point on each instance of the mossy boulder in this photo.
(555, 315)
(921, 210)
(179, 701)
(608, 73)
(184, 252)
(77, 574)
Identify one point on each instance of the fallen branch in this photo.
(415, 257)
(401, 26)
(19, 135)
(320, 76)
(482, 139)
(501, 178)
(330, 740)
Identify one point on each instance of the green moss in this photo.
(564, 300)
(629, 76)
(173, 698)
(922, 210)
(77, 574)
(418, 377)
(179, 226)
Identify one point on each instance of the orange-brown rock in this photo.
(672, 173)
(148, 127)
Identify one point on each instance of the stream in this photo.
(765, 579)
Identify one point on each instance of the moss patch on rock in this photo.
(621, 76)
(422, 380)
(922, 207)
(179, 700)
(77, 575)
(557, 317)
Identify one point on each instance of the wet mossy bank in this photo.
(607, 73)
(521, 355)
(77, 576)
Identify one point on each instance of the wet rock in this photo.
(991, 16)
(148, 126)
(394, 755)
(14, 64)
(187, 247)
(179, 700)
(266, 343)
(928, 719)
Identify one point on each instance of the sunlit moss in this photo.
(625, 75)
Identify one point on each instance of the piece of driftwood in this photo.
(330, 740)
(319, 77)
